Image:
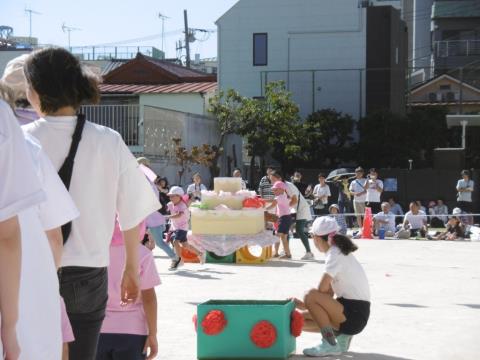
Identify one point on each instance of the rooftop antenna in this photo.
(30, 12)
(69, 29)
(163, 18)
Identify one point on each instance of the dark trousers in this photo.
(300, 230)
(346, 207)
(85, 291)
(121, 347)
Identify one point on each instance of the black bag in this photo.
(66, 169)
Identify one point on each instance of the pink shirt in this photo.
(283, 205)
(155, 219)
(117, 237)
(180, 223)
(128, 319)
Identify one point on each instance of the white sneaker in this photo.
(203, 258)
(308, 256)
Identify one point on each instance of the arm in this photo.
(130, 278)
(273, 203)
(10, 264)
(55, 238)
(325, 285)
(175, 216)
(150, 308)
(293, 200)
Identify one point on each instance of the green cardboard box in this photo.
(242, 315)
(212, 258)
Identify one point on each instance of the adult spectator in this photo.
(321, 193)
(265, 186)
(163, 188)
(415, 221)
(396, 210)
(463, 216)
(439, 214)
(195, 189)
(420, 206)
(455, 230)
(465, 188)
(357, 189)
(386, 220)
(344, 198)
(374, 187)
(238, 173)
(297, 181)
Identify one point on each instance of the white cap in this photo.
(176, 190)
(14, 76)
(456, 211)
(324, 225)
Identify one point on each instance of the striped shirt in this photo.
(342, 224)
(265, 189)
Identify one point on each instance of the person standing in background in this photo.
(465, 187)
(374, 187)
(357, 189)
(297, 181)
(321, 193)
(238, 173)
(195, 189)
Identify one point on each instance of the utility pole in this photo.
(187, 38)
(30, 12)
(163, 18)
(69, 29)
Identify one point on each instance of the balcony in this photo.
(448, 48)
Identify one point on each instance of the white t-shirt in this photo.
(357, 186)
(349, 278)
(381, 216)
(320, 191)
(465, 195)
(194, 188)
(416, 221)
(302, 208)
(105, 182)
(373, 195)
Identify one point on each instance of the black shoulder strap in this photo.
(66, 170)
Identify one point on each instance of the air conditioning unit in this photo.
(450, 96)
(432, 97)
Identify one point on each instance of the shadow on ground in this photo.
(472, 306)
(277, 264)
(354, 356)
(407, 305)
(191, 274)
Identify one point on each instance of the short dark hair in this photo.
(59, 79)
(359, 169)
(277, 174)
(465, 172)
(343, 242)
(373, 170)
(322, 175)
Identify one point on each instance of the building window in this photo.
(445, 87)
(260, 49)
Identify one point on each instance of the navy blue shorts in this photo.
(284, 223)
(121, 347)
(357, 313)
(179, 235)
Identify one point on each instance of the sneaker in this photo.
(324, 349)
(285, 257)
(203, 258)
(176, 264)
(308, 256)
(343, 341)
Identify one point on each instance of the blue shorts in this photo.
(284, 223)
(179, 235)
(121, 347)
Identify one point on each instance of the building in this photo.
(445, 90)
(456, 39)
(207, 65)
(319, 48)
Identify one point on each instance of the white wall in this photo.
(189, 103)
(302, 35)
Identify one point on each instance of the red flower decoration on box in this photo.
(296, 324)
(214, 322)
(263, 334)
(253, 203)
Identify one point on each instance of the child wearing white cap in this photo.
(340, 307)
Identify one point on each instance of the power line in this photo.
(140, 39)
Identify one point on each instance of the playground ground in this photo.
(425, 298)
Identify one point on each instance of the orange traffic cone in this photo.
(367, 224)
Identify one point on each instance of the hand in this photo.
(130, 287)
(151, 344)
(11, 348)
(299, 304)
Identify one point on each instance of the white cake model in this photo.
(222, 211)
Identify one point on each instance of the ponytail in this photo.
(344, 243)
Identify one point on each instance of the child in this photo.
(179, 216)
(129, 331)
(337, 318)
(455, 231)
(334, 211)
(282, 202)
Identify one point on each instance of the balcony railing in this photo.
(125, 119)
(446, 48)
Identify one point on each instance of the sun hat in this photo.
(279, 185)
(456, 211)
(14, 76)
(334, 206)
(324, 225)
(176, 190)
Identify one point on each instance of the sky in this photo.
(108, 21)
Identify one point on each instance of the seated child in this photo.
(455, 230)
(179, 216)
(129, 331)
(334, 211)
(340, 306)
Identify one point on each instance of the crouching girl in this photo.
(340, 307)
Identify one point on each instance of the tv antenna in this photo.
(30, 13)
(163, 18)
(69, 29)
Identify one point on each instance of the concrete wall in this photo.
(189, 103)
(6, 56)
(302, 35)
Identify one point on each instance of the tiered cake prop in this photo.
(227, 220)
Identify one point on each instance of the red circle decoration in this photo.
(195, 321)
(214, 322)
(263, 334)
(296, 324)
